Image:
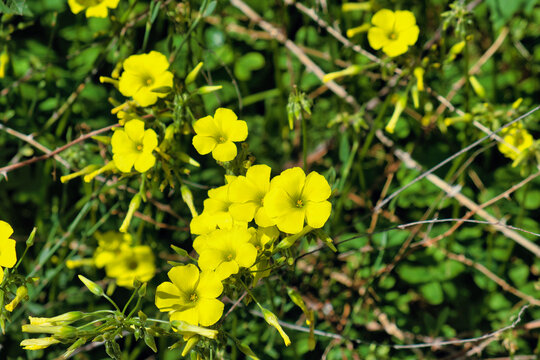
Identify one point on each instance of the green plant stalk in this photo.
(304, 140)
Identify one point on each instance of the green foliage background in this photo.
(51, 91)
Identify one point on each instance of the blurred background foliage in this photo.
(382, 287)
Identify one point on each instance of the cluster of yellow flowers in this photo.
(93, 8)
(516, 140)
(239, 225)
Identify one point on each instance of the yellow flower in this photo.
(216, 134)
(143, 74)
(134, 263)
(216, 210)
(133, 146)
(294, 197)
(225, 251)
(110, 245)
(392, 31)
(38, 344)
(247, 194)
(191, 296)
(8, 255)
(518, 138)
(94, 8)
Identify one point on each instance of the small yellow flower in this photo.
(134, 263)
(293, 197)
(133, 146)
(8, 255)
(225, 251)
(191, 296)
(518, 138)
(94, 8)
(143, 74)
(217, 134)
(392, 31)
(20, 295)
(110, 245)
(247, 194)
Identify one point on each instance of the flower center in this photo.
(148, 80)
(132, 265)
(193, 297)
(221, 139)
(89, 3)
(299, 203)
(139, 147)
(392, 36)
(229, 257)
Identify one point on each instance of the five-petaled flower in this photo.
(191, 296)
(143, 75)
(293, 197)
(94, 8)
(216, 134)
(247, 194)
(392, 31)
(133, 146)
(8, 256)
(225, 251)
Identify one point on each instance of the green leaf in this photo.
(247, 64)
(432, 292)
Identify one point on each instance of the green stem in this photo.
(304, 141)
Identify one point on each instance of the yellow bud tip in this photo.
(357, 30)
(362, 6)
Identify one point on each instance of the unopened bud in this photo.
(92, 286)
(133, 206)
(272, 320)
(193, 73)
(21, 294)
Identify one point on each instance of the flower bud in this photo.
(192, 341)
(208, 89)
(133, 206)
(400, 106)
(92, 286)
(272, 320)
(188, 329)
(193, 73)
(21, 294)
(38, 344)
(63, 319)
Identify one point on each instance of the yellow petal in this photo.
(75, 6)
(317, 213)
(191, 316)
(224, 117)
(129, 83)
(246, 255)
(384, 19)
(184, 277)
(144, 162)
(124, 161)
(8, 255)
(224, 152)
(206, 126)
(5, 229)
(409, 36)
(260, 175)
(204, 144)
(1, 274)
(209, 286)
(226, 269)
(135, 130)
(403, 20)
(292, 222)
(99, 11)
(290, 180)
(262, 218)
(210, 311)
(145, 96)
(149, 140)
(316, 188)
(243, 212)
(377, 38)
(236, 130)
(167, 295)
(395, 48)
